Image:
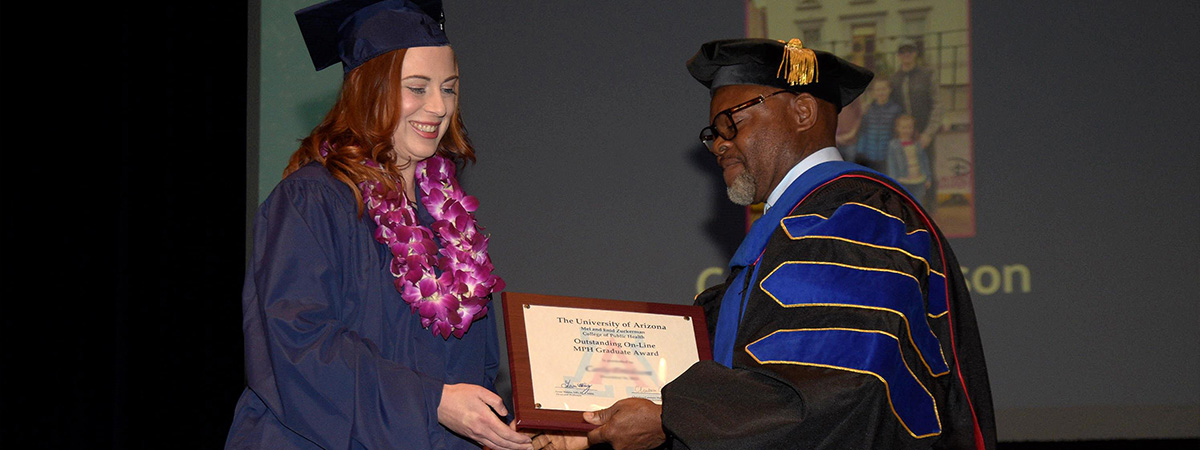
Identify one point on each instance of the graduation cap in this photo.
(778, 64)
(354, 31)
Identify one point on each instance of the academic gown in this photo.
(845, 323)
(335, 358)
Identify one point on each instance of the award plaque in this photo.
(567, 355)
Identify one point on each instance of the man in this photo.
(915, 88)
(845, 322)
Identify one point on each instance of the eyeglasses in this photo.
(723, 125)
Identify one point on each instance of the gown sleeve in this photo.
(835, 348)
(322, 379)
(491, 366)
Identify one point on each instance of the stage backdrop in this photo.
(1082, 235)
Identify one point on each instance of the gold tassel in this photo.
(801, 63)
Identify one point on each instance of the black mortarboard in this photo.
(354, 31)
(774, 63)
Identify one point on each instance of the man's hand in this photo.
(629, 424)
(925, 140)
(555, 440)
(466, 409)
(560, 440)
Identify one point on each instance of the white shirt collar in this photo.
(823, 155)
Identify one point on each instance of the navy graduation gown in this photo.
(335, 358)
(845, 323)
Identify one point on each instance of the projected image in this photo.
(914, 121)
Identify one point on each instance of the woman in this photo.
(365, 302)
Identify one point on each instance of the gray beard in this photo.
(741, 192)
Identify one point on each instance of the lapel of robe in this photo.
(751, 249)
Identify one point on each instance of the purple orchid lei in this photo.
(447, 303)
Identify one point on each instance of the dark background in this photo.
(123, 236)
(124, 193)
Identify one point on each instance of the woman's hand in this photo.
(467, 409)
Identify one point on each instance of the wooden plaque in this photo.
(567, 355)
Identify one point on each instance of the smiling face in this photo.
(908, 58)
(755, 160)
(428, 98)
(881, 89)
(905, 127)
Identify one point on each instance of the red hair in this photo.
(361, 124)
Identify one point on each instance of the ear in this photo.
(804, 110)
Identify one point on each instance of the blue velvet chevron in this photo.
(864, 224)
(937, 295)
(868, 352)
(806, 283)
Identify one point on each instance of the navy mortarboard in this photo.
(778, 64)
(354, 31)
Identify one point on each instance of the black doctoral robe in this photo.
(847, 325)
